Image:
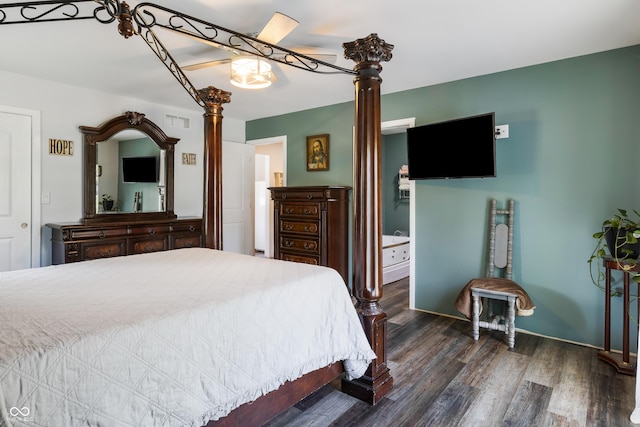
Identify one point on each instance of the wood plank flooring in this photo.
(443, 378)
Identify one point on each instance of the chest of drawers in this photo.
(311, 226)
(73, 242)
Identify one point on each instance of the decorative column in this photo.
(367, 227)
(212, 204)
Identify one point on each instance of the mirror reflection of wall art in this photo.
(318, 152)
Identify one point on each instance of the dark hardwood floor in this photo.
(443, 378)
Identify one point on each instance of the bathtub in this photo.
(395, 258)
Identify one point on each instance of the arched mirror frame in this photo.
(94, 135)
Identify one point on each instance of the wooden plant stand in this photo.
(622, 362)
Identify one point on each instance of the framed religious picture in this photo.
(318, 153)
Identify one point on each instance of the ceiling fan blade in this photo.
(200, 65)
(277, 28)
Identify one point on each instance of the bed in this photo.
(163, 338)
(367, 54)
(395, 258)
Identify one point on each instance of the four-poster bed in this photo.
(367, 53)
(175, 337)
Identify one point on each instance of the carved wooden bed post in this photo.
(212, 203)
(367, 227)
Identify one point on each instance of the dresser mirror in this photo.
(128, 171)
(130, 174)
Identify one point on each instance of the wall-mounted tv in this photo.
(460, 148)
(140, 169)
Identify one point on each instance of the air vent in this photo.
(177, 122)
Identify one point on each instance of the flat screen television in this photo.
(140, 169)
(460, 148)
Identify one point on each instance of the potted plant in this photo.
(618, 239)
(107, 202)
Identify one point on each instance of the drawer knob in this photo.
(152, 231)
(101, 234)
(192, 228)
(309, 196)
(104, 254)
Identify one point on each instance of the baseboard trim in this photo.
(524, 331)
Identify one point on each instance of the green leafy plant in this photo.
(614, 240)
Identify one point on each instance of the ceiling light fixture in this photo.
(250, 72)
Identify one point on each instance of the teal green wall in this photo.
(336, 120)
(570, 161)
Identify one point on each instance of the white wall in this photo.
(64, 108)
(261, 203)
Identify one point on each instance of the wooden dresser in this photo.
(73, 242)
(311, 226)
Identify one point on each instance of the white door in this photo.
(237, 197)
(15, 191)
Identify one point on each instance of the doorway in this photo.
(19, 188)
(395, 196)
(398, 211)
(270, 172)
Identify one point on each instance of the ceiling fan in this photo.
(255, 72)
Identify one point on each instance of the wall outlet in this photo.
(502, 131)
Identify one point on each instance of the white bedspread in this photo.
(170, 338)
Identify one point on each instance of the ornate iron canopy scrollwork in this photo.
(215, 35)
(104, 11)
(148, 16)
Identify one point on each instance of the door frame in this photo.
(36, 174)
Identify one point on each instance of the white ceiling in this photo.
(435, 42)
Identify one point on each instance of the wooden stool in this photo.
(493, 321)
